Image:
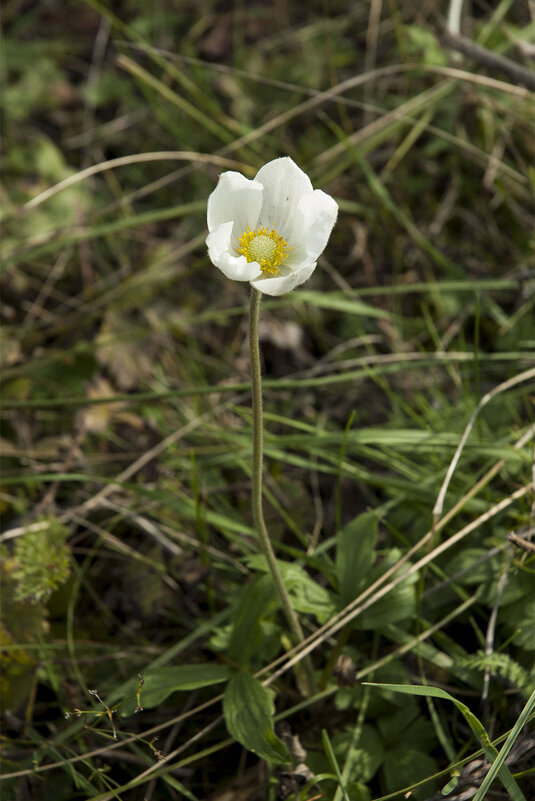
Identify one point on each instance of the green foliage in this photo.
(355, 555)
(399, 604)
(475, 725)
(502, 665)
(22, 625)
(42, 560)
(519, 619)
(258, 600)
(406, 766)
(366, 756)
(422, 42)
(308, 596)
(248, 709)
(158, 683)
(124, 364)
(33, 86)
(508, 745)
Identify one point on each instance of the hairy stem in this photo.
(258, 514)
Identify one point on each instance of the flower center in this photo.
(266, 247)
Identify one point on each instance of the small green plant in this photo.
(42, 560)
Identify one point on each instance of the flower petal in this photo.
(318, 212)
(281, 284)
(235, 199)
(221, 255)
(284, 185)
(281, 197)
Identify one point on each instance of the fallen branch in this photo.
(494, 62)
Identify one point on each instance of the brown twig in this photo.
(494, 62)
(521, 542)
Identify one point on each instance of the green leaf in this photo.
(248, 709)
(159, 683)
(340, 302)
(331, 756)
(471, 566)
(450, 786)
(422, 43)
(399, 604)
(393, 726)
(500, 760)
(475, 724)
(355, 555)
(405, 766)
(306, 594)
(520, 618)
(259, 600)
(365, 757)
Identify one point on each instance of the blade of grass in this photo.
(173, 97)
(331, 756)
(407, 362)
(475, 724)
(499, 762)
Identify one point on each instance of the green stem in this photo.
(258, 514)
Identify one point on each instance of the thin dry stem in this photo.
(503, 387)
(124, 161)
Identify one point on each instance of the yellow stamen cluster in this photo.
(266, 247)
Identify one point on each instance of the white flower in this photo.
(271, 230)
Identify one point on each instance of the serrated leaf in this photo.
(355, 555)
(248, 709)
